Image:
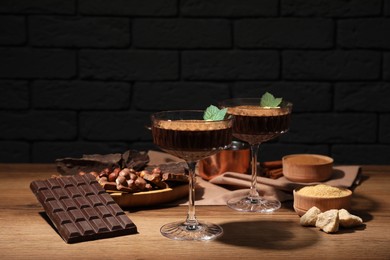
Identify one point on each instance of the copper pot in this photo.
(234, 159)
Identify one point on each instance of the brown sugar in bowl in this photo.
(307, 167)
(322, 196)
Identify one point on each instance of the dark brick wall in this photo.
(83, 76)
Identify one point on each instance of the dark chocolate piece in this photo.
(113, 158)
(80, 209)
(98, 162)
(172, 172)
(135, 160)
(174, 167)
(174, 177)
(72, 166)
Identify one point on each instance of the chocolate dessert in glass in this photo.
(185, 134)
(256, 124)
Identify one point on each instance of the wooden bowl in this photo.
(149, 198)
(307, 167)
(303, 203)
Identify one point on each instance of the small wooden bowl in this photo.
(307, 167)
(303, 203)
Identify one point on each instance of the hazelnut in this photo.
(104, 172)
(133, 176)
(102, 180)
(143, 173)
(113, 175)
(121, 181)
(94, 174)
(125, 173)
(156, 170)
(140, 183)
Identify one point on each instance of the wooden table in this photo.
(25, 234)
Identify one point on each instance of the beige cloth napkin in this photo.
(228, 185)
(281, 188)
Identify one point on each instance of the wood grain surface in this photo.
(26, 234)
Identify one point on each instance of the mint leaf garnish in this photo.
(213, 113)
(268, 100)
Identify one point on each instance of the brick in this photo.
(386, 8)
(362, 97)
(181, 33)
(361, 154)
(48, 152)
(38, 125)
(131, 8)
(229, 8)
(298, 33)
(37, 63)
(90, 95)
(275, 151)
(364, 33)
(323, 128)
(305, 96)
(129, 65)
(330, 8)
(13, 30)
(14, 152)
(331, 65)
(230, 65)
(384, 128)
(70, 31)
(38, 6)
(14, 94)
(178, 95)
(386, 66)
(115, 126)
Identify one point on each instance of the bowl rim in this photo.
(295, 193)
(327, 160)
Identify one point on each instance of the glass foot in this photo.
(183, 231)
(254, 204)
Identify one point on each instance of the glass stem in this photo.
(254, 152)
(191, 220)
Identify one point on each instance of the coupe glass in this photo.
(255, 124)
(184, 134)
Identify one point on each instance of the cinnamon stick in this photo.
(272, 164)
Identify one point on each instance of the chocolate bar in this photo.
(80, 209)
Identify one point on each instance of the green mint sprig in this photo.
(213, 113)
(268, 100)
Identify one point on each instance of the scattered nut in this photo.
(104, 172)
(113, 175)
(125, 173)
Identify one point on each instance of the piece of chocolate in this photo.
(80, 209)
(72, 166)
(135, 160)
(98, 162)
(174, 177)
(171, 173)
(175, 167)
